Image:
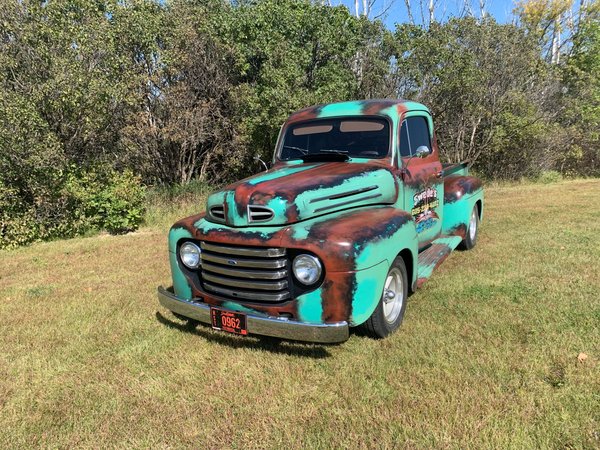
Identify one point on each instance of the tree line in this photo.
(99, 98)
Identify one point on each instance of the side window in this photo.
(404, 143)
(418, 130)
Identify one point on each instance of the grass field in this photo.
(487, 356)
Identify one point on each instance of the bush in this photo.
(106, 200)
(84, 200)
(549, 177)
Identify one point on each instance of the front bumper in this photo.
(328, 333)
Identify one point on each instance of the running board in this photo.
(434, 255)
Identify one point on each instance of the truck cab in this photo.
(355, 213)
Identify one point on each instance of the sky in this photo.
(396, 9)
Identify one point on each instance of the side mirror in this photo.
(422, 152)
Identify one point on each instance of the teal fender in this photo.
(461, 194)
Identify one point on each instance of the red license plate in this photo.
(233, 322)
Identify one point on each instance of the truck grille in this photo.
(245, 273)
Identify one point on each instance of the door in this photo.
(422, 175)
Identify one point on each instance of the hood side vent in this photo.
(349, 197)
(217, 213)
(344, 194)
(259, 213)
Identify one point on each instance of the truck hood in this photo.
(289, 193)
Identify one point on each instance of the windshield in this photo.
(353, 137)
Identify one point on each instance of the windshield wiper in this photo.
(301, 150)
(325, 157)
(330, 150)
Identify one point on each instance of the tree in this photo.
(476, 76)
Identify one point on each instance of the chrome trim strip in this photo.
(241, 262)
(259, 285)
(247, 295)
(244, 251)
(347, 202)
(327, 333)
(244, 273)
(344, 194)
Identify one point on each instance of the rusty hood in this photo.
(289, 193)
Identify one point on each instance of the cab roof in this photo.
(391, 108)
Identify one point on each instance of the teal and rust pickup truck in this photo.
(355, 213)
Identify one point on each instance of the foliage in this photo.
(582, 102)
(487, 88)
(106, 200)
(181, 91)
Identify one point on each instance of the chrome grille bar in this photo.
(244, 273)
(244, 262)
(248, 295)
(244, 251)
(258, 285)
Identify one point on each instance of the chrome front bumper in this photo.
(328, 333)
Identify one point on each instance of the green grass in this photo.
(486, 357)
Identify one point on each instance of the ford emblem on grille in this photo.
(232, 262)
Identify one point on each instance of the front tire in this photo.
(471, 237)
(389, 313)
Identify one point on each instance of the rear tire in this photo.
(473, 229)
(389, 313)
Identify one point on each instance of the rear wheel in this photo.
(389, 313)
(471, 237)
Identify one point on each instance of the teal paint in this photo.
(180, 285)
(300, 232)
(425, 271)
(459, 212)
(450, 241)
(342, 109)
(175, 234)
(387, 249)
(279, 173)
(279, 207)
(369, 288)
(310, 307)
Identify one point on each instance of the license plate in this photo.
(232, 322)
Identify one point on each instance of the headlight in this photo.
(190, 255)
(307, 269)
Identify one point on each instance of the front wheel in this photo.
(471, 237)
(389, 313)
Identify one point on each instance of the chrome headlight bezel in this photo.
(307, 269)
(190, 255)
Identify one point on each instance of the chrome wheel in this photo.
(393, 295)
(473, 225)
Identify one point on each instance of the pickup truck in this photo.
(354, 214)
